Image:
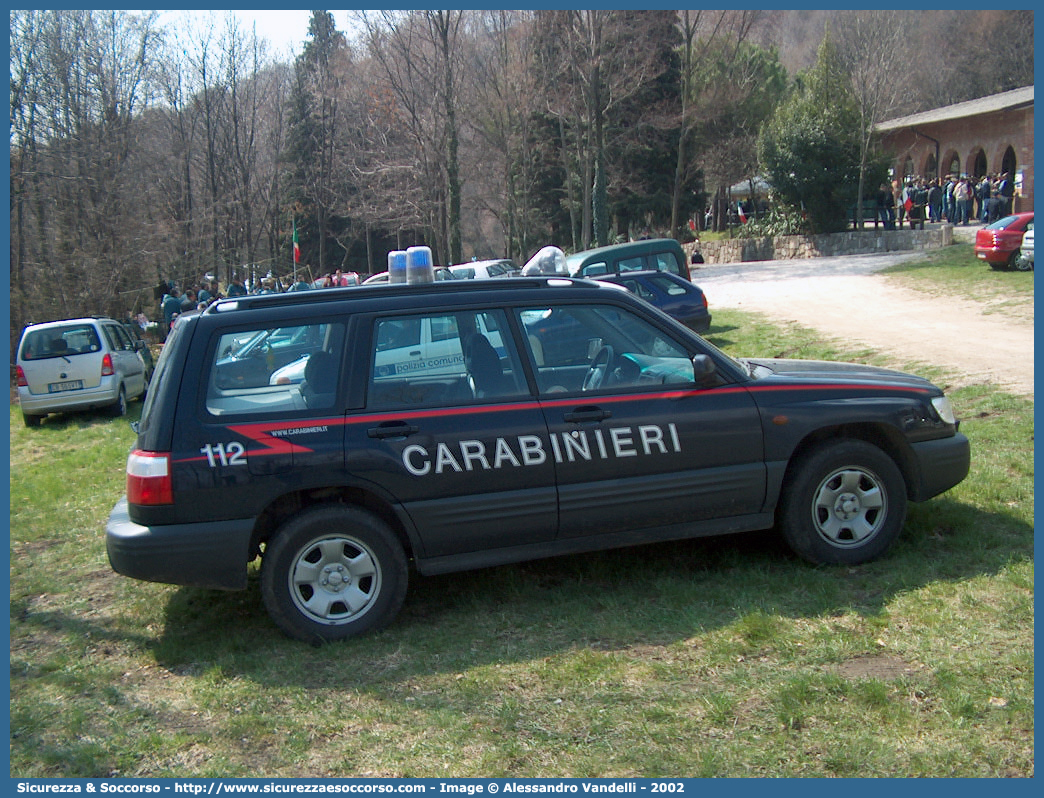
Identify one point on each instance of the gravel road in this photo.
(845, 298)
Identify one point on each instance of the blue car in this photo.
(674, 295)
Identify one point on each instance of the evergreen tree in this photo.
(811, 147)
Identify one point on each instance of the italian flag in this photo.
(297, 245)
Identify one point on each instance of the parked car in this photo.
(999, 243)
(143, 348)
(674, 295)
(484, 269)
(661, 254)
(78, 364)
(1024, 262)
(555, 416)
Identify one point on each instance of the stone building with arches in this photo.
(990, 135)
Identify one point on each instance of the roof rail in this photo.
(372, 291)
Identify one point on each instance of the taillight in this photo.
(107, 369)
(22, 381)
(148, 478)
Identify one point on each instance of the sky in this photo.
(286, 31)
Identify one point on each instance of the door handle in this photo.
(392, 429)
(582, 414)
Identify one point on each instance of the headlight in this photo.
(944, 409)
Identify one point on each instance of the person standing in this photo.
(918, 196)
(948, 209)
(171, 307)
(1007, 193)
(886, 206)
(237, 288)
(934, 201)
(960, 201)
(982, 194)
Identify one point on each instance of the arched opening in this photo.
(908, 167)
(1008, 162)
(977, 165)
(954, 164)
(931, 168)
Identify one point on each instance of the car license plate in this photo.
(71, 385)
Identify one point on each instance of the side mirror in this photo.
(702, 368)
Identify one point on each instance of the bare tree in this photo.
(872, 47)
(84, 80)
(504, 96)
(419, 54)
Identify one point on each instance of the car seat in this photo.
(320, 379)
(485, 372)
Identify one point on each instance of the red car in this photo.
(998, 243)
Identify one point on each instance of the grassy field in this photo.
(955, 271)
(719, 657)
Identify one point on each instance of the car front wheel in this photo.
(333, 572)
(845, 503)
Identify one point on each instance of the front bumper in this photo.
(941, 464)
(213, 554)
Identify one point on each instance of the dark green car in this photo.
(659, 254)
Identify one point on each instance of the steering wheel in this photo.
(598, 374)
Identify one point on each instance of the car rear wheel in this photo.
(119, 407)
(845, 503)
(333, 572)
(32, 421)
(1021, 263)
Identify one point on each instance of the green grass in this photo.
(956, 271)
(714, 657)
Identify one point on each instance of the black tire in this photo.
(32, 421)
(119, 408)
(333, 572)
(844, 503)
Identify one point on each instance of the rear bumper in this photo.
(213, 555)
(942, 464)
(84, 399)
(994, 255)
(698, 324)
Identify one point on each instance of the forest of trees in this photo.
(141, 155)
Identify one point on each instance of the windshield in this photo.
(71, 339)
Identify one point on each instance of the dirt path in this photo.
(844, 299)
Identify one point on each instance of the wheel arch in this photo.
(886, 438)
(289, 504)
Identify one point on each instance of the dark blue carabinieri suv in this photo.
(466, 424)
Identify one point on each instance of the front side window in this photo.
(275, 370)
(451, 358)
(578, 348)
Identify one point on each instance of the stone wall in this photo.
(740, 250)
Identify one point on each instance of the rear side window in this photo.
(72, 339)
(275, 370)
(630, 264)
(118, 338)
(667, 285)
(667, 262)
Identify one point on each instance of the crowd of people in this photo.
(197, 297)
(957, 199)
